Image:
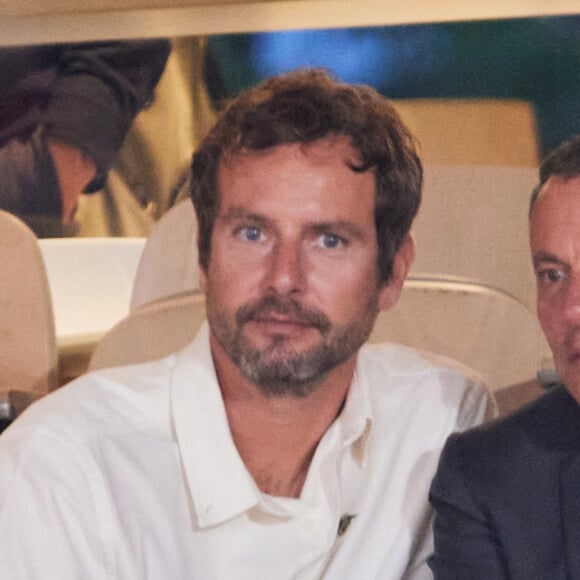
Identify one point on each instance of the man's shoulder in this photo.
(100, 402)
(437, 388)
(548, 427)
(404, 360)
(393, 363)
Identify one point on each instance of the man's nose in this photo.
(572, 304)
(286, 270)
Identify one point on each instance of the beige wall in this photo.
(473, 132)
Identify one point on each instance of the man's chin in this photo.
(282, 375)
(287, 339)
(277, 353)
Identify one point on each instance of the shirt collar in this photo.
(219, 483)
(356, 416)
(220, 486)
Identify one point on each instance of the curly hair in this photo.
(564, 161)
(302, 107)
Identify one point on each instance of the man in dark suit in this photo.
(507, 496)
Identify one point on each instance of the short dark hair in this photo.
(564, 161)
(302, 107)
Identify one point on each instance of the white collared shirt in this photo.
(132, 474)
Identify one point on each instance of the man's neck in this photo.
(277, 436)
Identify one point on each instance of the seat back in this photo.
(153, 331)
(479, 326)
(473, 223)
(28, 355)
(168, 265)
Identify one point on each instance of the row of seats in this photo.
(455, 318)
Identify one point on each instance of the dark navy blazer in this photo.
(507, 497)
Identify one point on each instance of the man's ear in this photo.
(402, 263)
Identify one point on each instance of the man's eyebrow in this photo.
(238, 213)
(338, 226)
(542, 256)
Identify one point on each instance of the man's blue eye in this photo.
(331, 241)
(250, 233)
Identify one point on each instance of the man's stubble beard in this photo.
(277, 369)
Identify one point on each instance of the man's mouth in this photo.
(282, 314)
(281, 324)
(275, 318)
